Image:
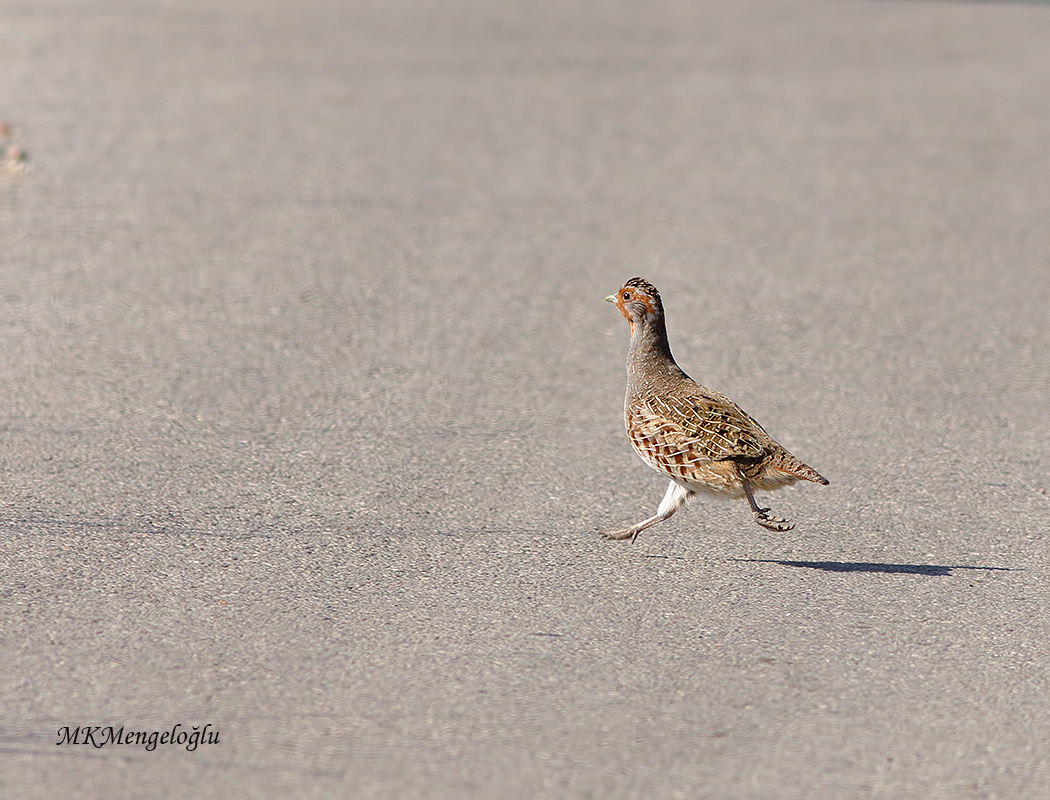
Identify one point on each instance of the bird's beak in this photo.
(610, 299)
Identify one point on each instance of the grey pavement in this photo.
(311, 404)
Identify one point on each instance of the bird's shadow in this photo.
(864, 566)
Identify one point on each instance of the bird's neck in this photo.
(650, 354)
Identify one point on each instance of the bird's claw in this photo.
(619, 536)
(772, 523)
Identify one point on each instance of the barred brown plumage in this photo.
(700, 439)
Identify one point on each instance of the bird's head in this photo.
(638, 301)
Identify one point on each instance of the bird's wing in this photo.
(693, 430)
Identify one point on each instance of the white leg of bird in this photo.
(674, 499)
(762, 515)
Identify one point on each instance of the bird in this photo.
(700, 439)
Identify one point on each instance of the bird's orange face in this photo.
(635, 301)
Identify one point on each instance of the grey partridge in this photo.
(701, 440)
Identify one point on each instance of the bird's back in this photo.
(694, 434)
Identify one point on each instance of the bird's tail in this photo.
(805, 472)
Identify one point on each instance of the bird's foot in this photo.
(619, 536)
(770, 522)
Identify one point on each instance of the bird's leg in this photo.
(673, 500)
(761, 515)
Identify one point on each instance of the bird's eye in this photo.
(626, 296)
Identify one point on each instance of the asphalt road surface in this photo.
(311, 404)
